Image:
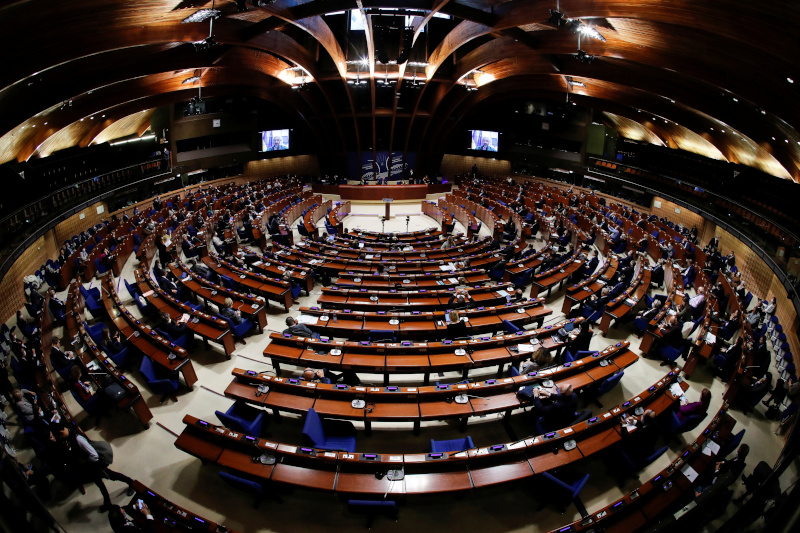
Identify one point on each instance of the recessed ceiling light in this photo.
(773, 138)
(712, 129)
(723, 131)
(45, 123)
(787, 140)
(735, 99)
(763, 112)
(790, 80)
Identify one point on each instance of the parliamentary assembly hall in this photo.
(492, 266)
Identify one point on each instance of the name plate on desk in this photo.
(387, 200)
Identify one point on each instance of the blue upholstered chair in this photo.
(671, 353)
(241, 329)
(454, 445)
(95, 332)
(623, 464)
(674, 425)
(566, 486)
(372, 508)
(243, 418)
(93, 406)
(606, 386)
(258, 490)
(159, 380)
(182, 341)
(93, 301)
(509, 328)
(122, 358)
(332, 435)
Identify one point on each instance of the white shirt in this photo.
(88, 448)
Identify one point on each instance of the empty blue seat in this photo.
(453, 445)
(243, 418)
(159, 380)
(248, 485)
(241, 329)
(332, 435)
(566, 484)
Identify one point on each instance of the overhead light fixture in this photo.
(556, 18)
(190, 80)
(201, 15)
(790, 80)
(583, 57)
(589, 31)
(573, 83)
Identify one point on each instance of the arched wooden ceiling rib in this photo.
(130, 91)
(493, 52)
(133, 124)
(600, 93)
(225, 31)
(315, 26)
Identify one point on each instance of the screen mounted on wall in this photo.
(274, 140)
(483, 140)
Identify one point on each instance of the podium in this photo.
(388, 202)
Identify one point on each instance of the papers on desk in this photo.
(676, 389)
(147, 294)
(282, 268)
(672, 312)
(447, 268)
(307, 319)
(710, 338)
(689, 472)
(629, 427)
(361, 245)
(502, 293)
(526, 348)
(710, 448)
(452, 280)
(257, 263)
(630, 302)
(184, 318)
(369, 256)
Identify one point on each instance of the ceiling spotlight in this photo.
(572, 83)
(589, 31)
(205, 44)
(202, 14)
(190, 80)
(556, 18)
(583, 57)
(790, 80)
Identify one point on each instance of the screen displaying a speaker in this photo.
(274, 140)
(483, 140)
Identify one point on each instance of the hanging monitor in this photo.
(274, 140)
(483, 140)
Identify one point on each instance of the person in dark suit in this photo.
(112, 343)
(171, 327)
(649, 314)
(298, 330)
(228, 311)
(582, 340)
(121, 522)
(58, 356)
(713, 244)
(456, 327)
(560, 411)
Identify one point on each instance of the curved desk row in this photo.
(420, 473)
(411, 282)
(422, 324)
(145, 339)
(416, 404)
(579, 292)
(642, 506)
(428, 300)
(87, 353)
(336, 265)
(408, 357)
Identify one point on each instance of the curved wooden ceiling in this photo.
(698, 67)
